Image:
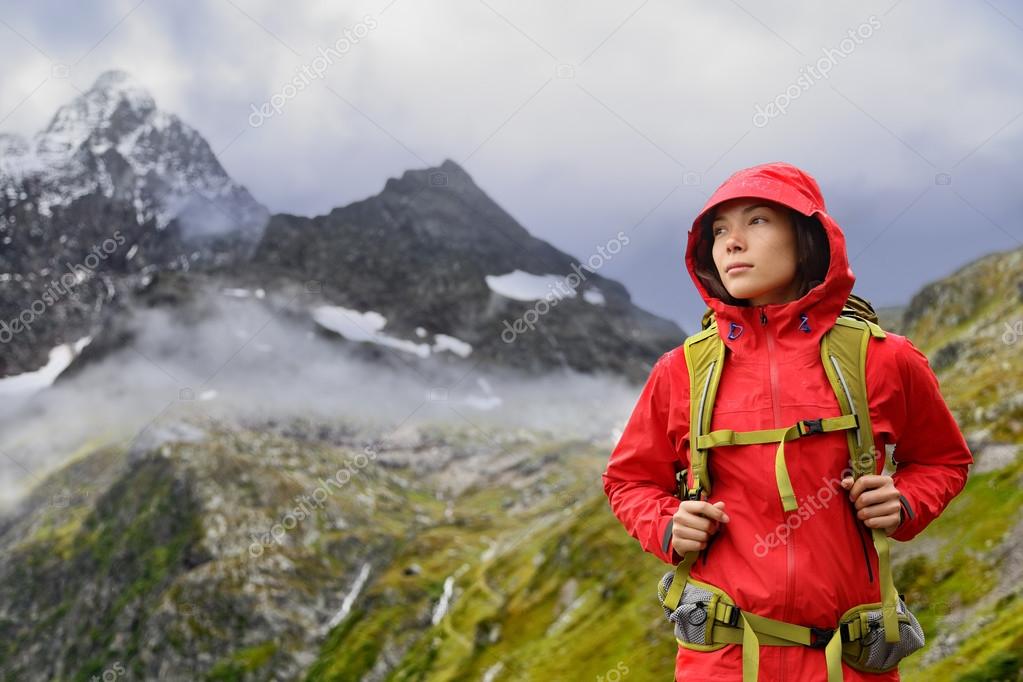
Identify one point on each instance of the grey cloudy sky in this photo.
(584, 118)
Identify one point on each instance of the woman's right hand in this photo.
(694, 523)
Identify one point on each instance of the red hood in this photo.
(740, 326)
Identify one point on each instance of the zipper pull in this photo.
(763, 317)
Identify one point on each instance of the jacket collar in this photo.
(796, 326)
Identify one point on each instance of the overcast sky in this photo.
(583, 118)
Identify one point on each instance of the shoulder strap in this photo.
(844, 354)
(705, 356)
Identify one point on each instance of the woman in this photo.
(772, 266)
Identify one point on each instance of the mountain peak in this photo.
(448, 175)
(119, 84)
(449, 166)
(115, 106)
(112, 140)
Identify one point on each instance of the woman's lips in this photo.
(739, 268)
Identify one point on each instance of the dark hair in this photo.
(813, 255)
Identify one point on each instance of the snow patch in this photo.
(30, 382)
(450, 343)
(525, 286)
(594, 296)
(366, 326)
(356, 326)
(243, 293)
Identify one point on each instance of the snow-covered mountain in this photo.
(118, 206)
(112, 140)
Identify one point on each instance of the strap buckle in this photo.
(819, 637)
(808, 426)
(733, 617)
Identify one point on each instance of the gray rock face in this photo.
(421, 252)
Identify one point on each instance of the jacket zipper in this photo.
(790, 552)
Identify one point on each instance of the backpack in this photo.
(844, 355)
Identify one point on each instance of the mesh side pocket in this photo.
(690, 618)
(879, 654)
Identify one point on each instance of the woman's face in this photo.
(758, 233)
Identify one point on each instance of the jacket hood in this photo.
(797, 324)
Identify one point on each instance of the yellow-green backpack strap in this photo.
(705, 356)
(844, 354)
(678, 582)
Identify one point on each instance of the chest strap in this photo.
(805, 427)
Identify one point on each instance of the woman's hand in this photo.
(694, 523)
(877, 501)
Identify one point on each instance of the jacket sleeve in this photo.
(931, 456)
(639, 480)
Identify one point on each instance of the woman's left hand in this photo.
(877, 501)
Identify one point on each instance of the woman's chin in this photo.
(743, 292)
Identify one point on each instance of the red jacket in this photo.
(773, 377)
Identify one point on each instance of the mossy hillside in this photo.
(398, 607)
(239, 665)
(996, 654)
(109, 564)
(939, 311)
(969, 324)
(157, 568)
(511, 606)
(199, 603)
(609, 617)
(965, 568)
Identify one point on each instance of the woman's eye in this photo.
(759, 217)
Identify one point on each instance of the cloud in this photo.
(580, 122)
(236, 359)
